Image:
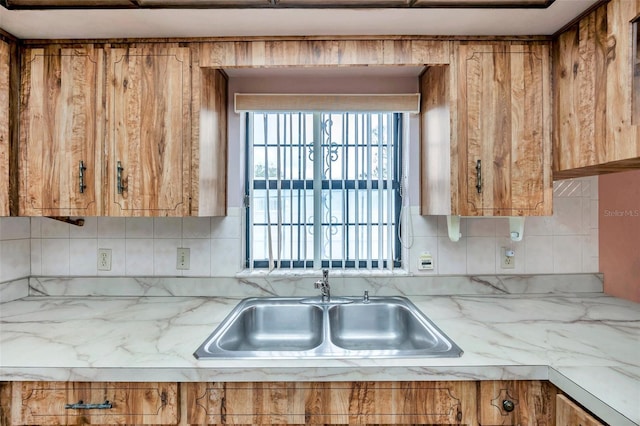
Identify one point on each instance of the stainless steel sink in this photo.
(380, 327)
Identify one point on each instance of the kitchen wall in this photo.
(619, 219)
(567, 242)
(14, 248)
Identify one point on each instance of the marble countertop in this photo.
(587, 344)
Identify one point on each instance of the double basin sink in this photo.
(345, 327)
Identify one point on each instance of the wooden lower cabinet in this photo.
(568, 413)
(434, 403)
(46, 403)
(523, 403)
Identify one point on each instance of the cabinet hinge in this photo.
(246, 201)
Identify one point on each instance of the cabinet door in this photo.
(60, 131)
(569, 413)
(517, 403)
(5, 57)
(149, 147)
(46, 403)
(435, 403)
(580, 90)
(504, 133)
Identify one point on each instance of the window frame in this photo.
(398, 123)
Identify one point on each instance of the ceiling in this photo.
(71, 23)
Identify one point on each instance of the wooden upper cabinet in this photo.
(60, 131)
(486, 132)
(5, 57)
(596, 93)
(149, 131)
(504, 130)
(580, 92)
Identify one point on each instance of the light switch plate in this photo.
(183, 258)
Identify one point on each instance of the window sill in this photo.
(249, 273)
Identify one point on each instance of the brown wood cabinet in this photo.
(48, 403)
(435, 403)
(568, 413)
(517, 403)
(5, 61)
(149, 131)
(596, 93)
(110, 132)
(60, 131)
(489, 115)
(525, 403)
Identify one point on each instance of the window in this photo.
(323, 190)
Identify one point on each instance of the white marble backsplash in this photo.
(302, 285)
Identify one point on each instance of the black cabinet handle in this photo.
(119, 170)
(82, 406)
(479, 176)
(82, 168)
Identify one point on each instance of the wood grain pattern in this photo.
(60, 126)
(313, 53)
(534, 403)
(504, 120)
(212, 155)
(5, 58)
(43, 403)
(569, 414)
(623, 136)
(149, 130)
(580, 93)
(332, 403)
(436, 184)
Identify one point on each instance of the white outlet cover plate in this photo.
(104, 259)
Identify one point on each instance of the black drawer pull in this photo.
(82, 406)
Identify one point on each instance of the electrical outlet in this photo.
(183, 259)
(508, 258)
(104, 259)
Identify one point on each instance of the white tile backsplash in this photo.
(200, 253)
(118, 255)
(54, 228)
(566, 242)
(111, 227)
(139, 227)
(83, 260)
(481, 255)
(196, 227)
(14, 255)
(139, 257)
(14, 228)
(167, 227)
(165, 256)
(55, 256)
(539, 254)
(452, 256)
(567, 253)
(88, 230)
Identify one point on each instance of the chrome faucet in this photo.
(323, 285)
